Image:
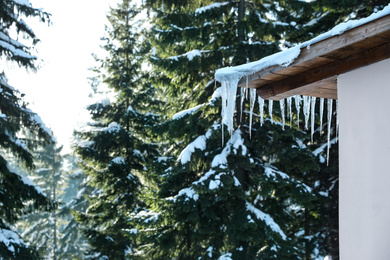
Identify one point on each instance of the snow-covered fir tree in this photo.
(116, 152)
(239, 196)
(20, 131)
(40, 229)
(72, 243)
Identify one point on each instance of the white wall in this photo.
(364, 114)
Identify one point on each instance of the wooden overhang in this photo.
(314, 72)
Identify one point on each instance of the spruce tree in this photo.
(116, 151)
(221, 195)
(20, 131)
(72, 243)
(41, 229)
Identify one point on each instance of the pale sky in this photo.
(59, 91)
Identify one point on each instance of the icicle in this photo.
(330, 103)
(242, 94)
(321, 113)
(306, 110)
(247, 86)
(270, 109)
(229, 91)
(281, 102)
(261, 109)
(289, 101)
(298, 106)
(252, 105)
(313, 113)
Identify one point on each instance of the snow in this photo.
(210, 251)
(118, 160)
(321, 149)
(22, 2)
(189, 55)
(192, 54)
(133, 231)
(27, 181)
(8, 238)
(217, 94)
(188, 193)
(162, 159)
(235, 142)
(86, 144)
(189, 111)
(112, 127)
(269, 221)
(227, 256)
(270, 172)
(147, 215)
(4, 37)
(38, 121)
(234, 74)
(214, 184)
(15, 51)
(198, 143)
(209, 7)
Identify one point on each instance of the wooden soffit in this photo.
(314, 72)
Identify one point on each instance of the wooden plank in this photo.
(317, 62)
(326, 87)
(336, 47)
(342, 53)
(350, 37)
(299, 83)
(255, 83)
(330, 95)
(275, 77)
(323, 92)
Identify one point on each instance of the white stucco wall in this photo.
(364, 115)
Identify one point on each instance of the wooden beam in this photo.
(301, 82)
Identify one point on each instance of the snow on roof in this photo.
(286, 57)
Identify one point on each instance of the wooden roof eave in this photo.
(314, 72)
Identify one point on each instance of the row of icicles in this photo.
(229, 90)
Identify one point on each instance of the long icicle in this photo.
(313, 112)
(261, 109)
(298, 106)
(242, 93)
(306, 110)
(321, 113)
(224, 100)
(270, 109)
(281, 103)
(252, 105)
(330, 103)
(289, 101)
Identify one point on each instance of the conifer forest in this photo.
(156, 173)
